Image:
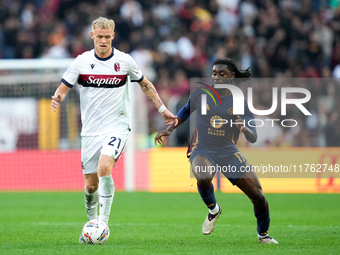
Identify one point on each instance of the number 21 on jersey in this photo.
(114, 142)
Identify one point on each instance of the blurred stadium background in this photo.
(171, 41)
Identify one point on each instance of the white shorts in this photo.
(92, 147)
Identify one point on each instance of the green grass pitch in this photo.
(168, 223)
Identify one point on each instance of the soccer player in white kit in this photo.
(103, 75)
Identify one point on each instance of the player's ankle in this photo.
(215, 210)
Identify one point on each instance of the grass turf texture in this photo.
(168, 223)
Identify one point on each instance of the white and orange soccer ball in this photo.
(95, 232)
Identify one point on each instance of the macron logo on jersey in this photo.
(102, 81)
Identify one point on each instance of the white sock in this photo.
(215, 210)
(106, 193)
(91, 204)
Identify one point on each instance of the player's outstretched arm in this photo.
(167, 131)
(249, 135)
(182, 115)
(59, 96)
(151, 93)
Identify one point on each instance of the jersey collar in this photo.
(103, 59)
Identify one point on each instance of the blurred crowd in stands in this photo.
(174, 40)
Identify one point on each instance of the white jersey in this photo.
(103, 85)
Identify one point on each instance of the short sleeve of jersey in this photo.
(70, 77)
(135, 73)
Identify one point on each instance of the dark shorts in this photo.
(232, 166)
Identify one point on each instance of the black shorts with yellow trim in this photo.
(232, 166)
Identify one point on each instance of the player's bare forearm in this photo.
(59, 96)
(171, 128)
(167, 131)
(151, 93)
(249, 135)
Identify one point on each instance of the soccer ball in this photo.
(95, 232)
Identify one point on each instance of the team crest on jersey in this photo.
(230, 110)
(216, 124)
(117, 67)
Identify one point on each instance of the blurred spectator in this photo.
(332, 131)
(8, 137)
(132, 11)
(185, 48)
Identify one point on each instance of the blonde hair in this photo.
(103, 23)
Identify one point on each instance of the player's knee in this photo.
(104, 169)
(91, 187)
(258, 198)
(204, 183)
(91, 182)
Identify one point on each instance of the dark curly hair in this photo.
(243, 74)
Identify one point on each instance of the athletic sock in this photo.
(208, 195)
(215, 210)
(263, 219)
(106, 191)
(91, 204)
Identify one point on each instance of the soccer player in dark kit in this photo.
(213, 145)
